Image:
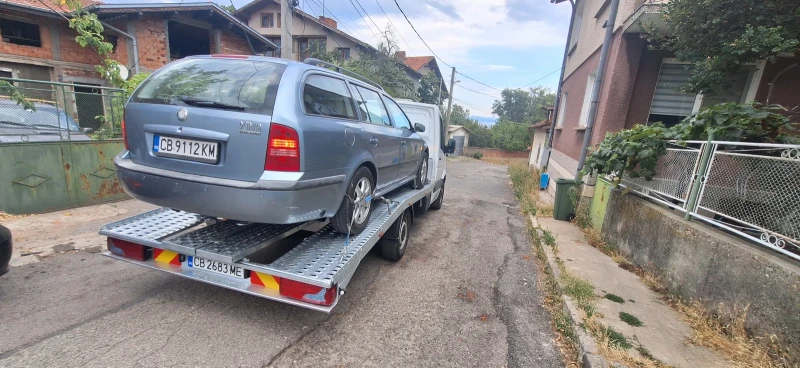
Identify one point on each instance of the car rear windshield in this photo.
(242, 85)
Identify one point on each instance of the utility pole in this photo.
(287, 11)
(450, 100)
(439, 98)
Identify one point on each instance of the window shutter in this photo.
(668, 101)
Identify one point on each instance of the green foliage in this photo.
(9, 90)
(477, 155)
(130, 85)
(630, 319)
(90, 34)
(580, 290)
(720, 37)
(633, 151)
(636, 151)
(524, 181)
(615, 298)
(430, 90)
(738, 122)
(617, 339)
(510, 136)
(524, 106)
(228, 8)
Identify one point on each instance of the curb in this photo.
(587, 347)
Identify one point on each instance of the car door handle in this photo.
(374, 141)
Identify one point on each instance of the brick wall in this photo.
(74, 53)
(232, 43)
(644, 87)
(46, 51)
(568, 139)
(152, 39)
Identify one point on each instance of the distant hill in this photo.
(485, 120)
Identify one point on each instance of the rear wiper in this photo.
(206, 103)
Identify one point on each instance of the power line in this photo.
(395, 27)
(479, 82)
(549, 74)
(365, 21)
(367, 14)
(474, 91)
(335, 17)
(472, 106)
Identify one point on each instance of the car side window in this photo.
(398, 116)
(328, 96)
(372, 108)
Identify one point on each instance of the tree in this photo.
(479, 134)
(720, 36)
(430, 90)
(510, 136)
(524, 106)
(228, 8)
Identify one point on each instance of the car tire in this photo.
(395, 241)
(437, 204)
(353, 215)
(422, 172)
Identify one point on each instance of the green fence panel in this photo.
(32, 178)
(92, 175)
(597, 214)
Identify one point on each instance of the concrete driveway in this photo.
(465, 295)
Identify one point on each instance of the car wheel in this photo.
(437, 204)
(354, 212)
(422, 172)
(394, 244)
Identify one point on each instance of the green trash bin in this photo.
(563, 209)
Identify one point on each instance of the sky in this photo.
(501, 43)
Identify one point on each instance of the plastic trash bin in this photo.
(543, 181)
(563, 209)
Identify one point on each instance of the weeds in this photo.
(579, 290)
(548, 238)
(525, 182)
(615, 298)
(630, 319)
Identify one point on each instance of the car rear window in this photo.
(250, 85)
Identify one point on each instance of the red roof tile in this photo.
(49, 4)
(417, 62)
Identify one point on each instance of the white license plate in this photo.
(185, 148)
(214, 266)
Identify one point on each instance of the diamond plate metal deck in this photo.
(150, 227)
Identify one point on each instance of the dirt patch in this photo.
(94, 249)
(61, 248)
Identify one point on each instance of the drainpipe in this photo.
(556, 104)
(601, 71)
(133, 40)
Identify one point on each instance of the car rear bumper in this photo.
(264, 201)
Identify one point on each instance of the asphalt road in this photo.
(465, 295)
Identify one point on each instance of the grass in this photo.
(525, 182)
(615, 298)
(505, 161)
(630, 319)
(579, 290)
(548, 238)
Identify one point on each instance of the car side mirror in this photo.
(87, 130)
(419, 128)
(451, 146)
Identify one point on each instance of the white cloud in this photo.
(495, 67)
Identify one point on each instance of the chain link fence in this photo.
(39, 111)
(749, 189)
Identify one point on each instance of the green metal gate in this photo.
(57, 152)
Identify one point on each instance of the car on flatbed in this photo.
(267, 140)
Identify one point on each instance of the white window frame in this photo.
(587, 99)
(562, 110)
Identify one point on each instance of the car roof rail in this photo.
(318, 62)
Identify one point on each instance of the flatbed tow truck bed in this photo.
(312, 274)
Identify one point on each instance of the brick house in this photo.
(639, 84)
(38, 44)
(422, 66)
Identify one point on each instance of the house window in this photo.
(20, 33)
(669, 105)
(309, 46)
(344, 52)
(279, 20)
(562, 110)
(267, 20)
(113, 40)
(576, 25)
(587, 100)
(6, 73)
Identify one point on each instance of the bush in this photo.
(477, 155)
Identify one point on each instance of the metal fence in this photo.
(750, 189)
(54, 111)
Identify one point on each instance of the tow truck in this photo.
(305, 264)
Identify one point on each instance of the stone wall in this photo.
(701, 263)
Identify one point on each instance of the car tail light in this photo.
(283, 149)
(124, 134)
(307, 293)
(128, 249)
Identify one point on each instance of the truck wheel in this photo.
(437, 204)
(394, 244)
(354, 212)
(422, 172)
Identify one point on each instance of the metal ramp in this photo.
(326, 258)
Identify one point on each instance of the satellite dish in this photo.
(123, 72)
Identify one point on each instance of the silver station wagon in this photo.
(266, 140)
